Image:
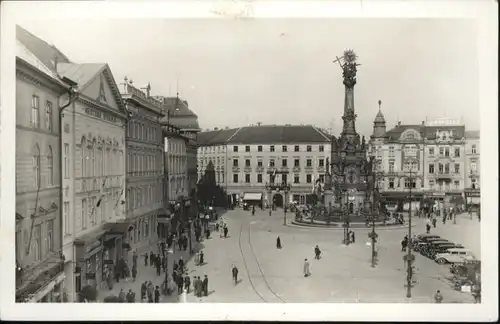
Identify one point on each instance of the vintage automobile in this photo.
(455, 255)
(424, 236)
(442, 247)
(429, 249)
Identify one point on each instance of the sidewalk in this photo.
(147, 273)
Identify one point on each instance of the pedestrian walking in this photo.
(307, 271)
(121, 296)
(434, 222)
(181, 265)
(226, 230)
(143, 290)
(180, 284)
(278, 243)
(164, 263)
(134, 273)
(158, 266)
(146, 259)
(234, 271)
(151, 257)
(353, 237)
(197, 258)
(157, 294)
(438, 297)
(404, 244)
(130, 296)
(187, 283)
(198, 287)
(205, 286)
(150, 291)
(202, 258)
(317, 253)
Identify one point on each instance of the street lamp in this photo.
(272, 186)
(409, 258)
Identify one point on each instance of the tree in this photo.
(209, 193)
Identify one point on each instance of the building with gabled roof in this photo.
(244, 156)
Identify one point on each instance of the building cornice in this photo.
(38, 78)
(97, 105)
(143, 103)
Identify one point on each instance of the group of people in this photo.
(150, 293)
(407, 241)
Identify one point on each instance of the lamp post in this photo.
(272, 186)
(286, 189)
(409, 257)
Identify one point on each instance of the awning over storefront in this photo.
(42, 292)
(252, 196)
(89, 237)
(117, 228)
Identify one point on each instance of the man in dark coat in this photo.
(202, 258)
(180, 283)
(157, 294)
(143, 290)
(278, 243)
(198, 287)
(151, 257)
(130, 296)
(181, 264)
(225, 231)
(158, 266)
(234, 271)
(205, 286)
(145, 259)
(187, 283)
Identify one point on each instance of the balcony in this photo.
(284, 169)
(236, 168)
(259, 169)
(296, 169)
(247, 168)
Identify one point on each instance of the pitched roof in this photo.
(40, 48)
(458, 131)
(472, 134)
(215, 137)
(185, 122)
(82, 74)
(394, 133)
(26, 55)
(283, 134)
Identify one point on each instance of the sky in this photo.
(281, 71)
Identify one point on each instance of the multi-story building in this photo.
(433, 151)
(244, 157)
(38, 240)
(94, 175)
(144, 165)
(472, 169)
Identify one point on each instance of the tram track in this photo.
(268, 295)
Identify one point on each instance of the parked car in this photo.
(455, 255)
(442, 247)
(424, 236)
(430, 249)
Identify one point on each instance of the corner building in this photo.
(144, 141)
(472, 169)
(244, 158)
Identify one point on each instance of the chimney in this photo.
(148, 90)
(423, 122)
(399, 123)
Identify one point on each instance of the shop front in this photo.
(472, 198)
(253, 199)
(163, 224)
(89, 261)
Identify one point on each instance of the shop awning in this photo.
(252, 196)
(117, 228)
(42, 292)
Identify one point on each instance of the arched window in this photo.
(83, 147)
(36, 166)
(50, 167)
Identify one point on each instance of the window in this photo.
(247, 148)
(296, 162)
(247, 178)
(247, 162)
(35, 112)
(67, 224)
(235, 178)
(308, 163)
(259, 163)
(66, 160)
(50, 236)
(284, 163)
(271, 163)
(473, 148)
(457, 152)
(431, 168)
(321, 148)
(36, 167)
(50, 167)
(284, 148)
(321, 163)
(391, 166)
(322, 178)
(457, 184)
(473, 166)
(440, 167)
(48, 116)
(259, 148)
(259, 178)
(235, 163)
(457, 167)
(409, 184)
(391, 151)
(235, 148)
(447, 168)
(296, 148)
(391, 183)
(308, 178)
(37, 243)
(84, 213)
(441, 151)
(431, 183)
(271, 148)
(447, 151)
(431, 151)
(296, 179)
(308, 148)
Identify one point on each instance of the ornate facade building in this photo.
(243, 158)
(472, 168)
(38, 240)
(144, 140)
(348, 185)
(93, 141)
